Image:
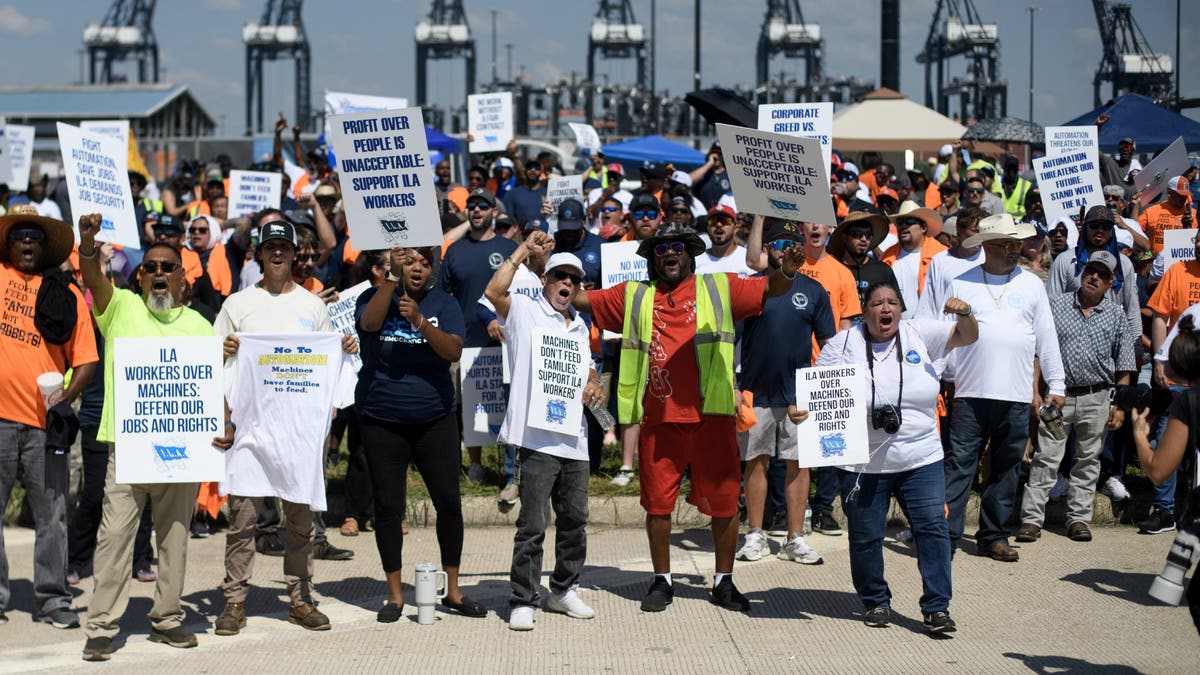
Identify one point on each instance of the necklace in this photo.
(879, 359)
(168, 321)
(995, 298)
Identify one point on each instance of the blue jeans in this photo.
(974, 422)
(827, 489)
(921, 493)
(547, 481)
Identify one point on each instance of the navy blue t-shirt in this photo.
(402, 379)
(466, 271)
(524, 204)
(588, 252)
(779, 341)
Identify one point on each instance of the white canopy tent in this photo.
(887, 121)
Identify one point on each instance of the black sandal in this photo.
(390, 613)
(467, 607)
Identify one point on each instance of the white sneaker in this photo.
(475, 473)
(755, 546)
(569, 603)
(1114, 489)
(1059, 491)
(623, 477)
(798, 550)
(521, 618)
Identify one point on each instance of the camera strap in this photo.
(871, 363)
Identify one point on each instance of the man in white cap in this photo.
(995, 381)
(916, 228)
(553, 466)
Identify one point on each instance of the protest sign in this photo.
(98, 182)
(1153, 178)
(1178, 246)
(558, 371)
(341, 314)
(526, 283)
(480, 372)
(558, 190)
(586, 138)
(1069, 140)
(253, 191)
(117, 128)
(20, 154)
(387, 183)
(776, 175)
(1068, 182)
(168, 405)
(344, 103)
(803, 120)
(619, 262)
(6, 174)
(490, 121)
(835, 433)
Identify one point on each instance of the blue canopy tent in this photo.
(1153, 127)
(632, 153)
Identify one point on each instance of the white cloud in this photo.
(14, 22)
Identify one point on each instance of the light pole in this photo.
(494, 12)
(1031, 10)
(508, 59)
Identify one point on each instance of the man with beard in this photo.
(916, 228)
(851, 244)
(158, 312)
(846, 187)
(676, 379)
(525, 202)
(725, 254)
(1176, 213)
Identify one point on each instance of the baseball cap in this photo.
(1124, 237)
(484, 194)
(325, 190)
(1099, 213)
(564, 260)
(301, 218)
(846, 174)
(1108, 260)
(782, 229)
(681, 203)
(722, 209)
(946, 150)
(642, 201)
(570, 215)
(889, 193)
(503, 163)
(168, 223)
(1128, 140)
(652, 169)
(1179, 185)
(681, 178)
(277, 229)
(616, 168)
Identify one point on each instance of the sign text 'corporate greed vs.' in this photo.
(383, 163)
(777, 175)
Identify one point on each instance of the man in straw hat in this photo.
(676, 378)
(994, 381)
(45, 331)
(851, 244)
(917, 228)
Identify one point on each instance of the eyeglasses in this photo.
(30, 233)
(858, 234)
(976, 190)
(782, 244)
(305, 257)
(154, 266)
(478, 206)
(197, 230)
(609, 209)
(909, 222)
(649, 214)
(559, 275)
(673, 247)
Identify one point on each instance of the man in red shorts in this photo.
(676, 379)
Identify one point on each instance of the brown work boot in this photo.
(232, 619)
(308, 616)
(1028, 532)
(998, 550)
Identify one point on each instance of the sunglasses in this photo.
(782, 244)
(649, 214)
(30, 233)
(155, 266)
(909, 222)
(306, 257)
(673, 247)
(197, 230)
(858, 234)
(1097, 225)
(559, 275)
(478, 206)
(976, 191)
(1104, 274)
(948, 191)
(609, 209)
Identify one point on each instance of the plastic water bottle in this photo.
(603, 417)
(808, 521)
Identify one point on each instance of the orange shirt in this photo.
(218, 271)
(933, 196)
(297, 187)
(1178, 290)
(839, 283)
(25, 354)
(312, 285)
(929, 248)
(1160, 218)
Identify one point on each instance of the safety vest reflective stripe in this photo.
(1014, 204)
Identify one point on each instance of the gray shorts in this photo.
(773, 435)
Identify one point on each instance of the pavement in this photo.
(1065, 607)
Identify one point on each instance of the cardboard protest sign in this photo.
(586, 138)
(1178, 246)
(116, 128)
(1069, 140)
(835, 433)
(558, 190)
(387, 183)
(558, 371)
(619, 262)
(1068, 182)
(6, 174)
(777, 175)
(1152, 180)
(168, 403)
(20, 154)
(341, 314)
(253, 191)
(480, 372)
(344, 103)
(803, 120)
(490, 121)
(98, 182)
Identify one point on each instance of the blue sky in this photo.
(366, 46)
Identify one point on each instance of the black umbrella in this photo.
(1006, 130)
(723, 106)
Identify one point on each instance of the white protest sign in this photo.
(1153, 178)
(558, 371)
(6, 174)
(387, 184)
(341, 314)
(586, 137)
(1068, 182)
(490, 121)
(20, 154)
(1178, 246)
(526, 283)
(804, 120)
(835, 433)
(776, 175)
(117, 128)
(97, 178)
(253, 191)
(558, 190)
(619, 262)
(1069, 140)
(480, 372)
(168, 404)
(343, 103)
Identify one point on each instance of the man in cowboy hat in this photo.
(676, 378)
(994, 381)
(916, 228)
(851, 244)
(45, 329)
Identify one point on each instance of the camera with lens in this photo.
(1128, 397)
(1168, 587)
(886, 418)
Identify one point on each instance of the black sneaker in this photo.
(97, 649)
(327, 551)
(778, 526)
(269, 544)
(726, 595)
(1160, 520)
(60, 618)
(878, 617)
(939, 622)
(200, 529)
(659, 596)
(825, 524)
(178, 637)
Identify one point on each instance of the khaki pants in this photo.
(239, 549)
(172, 505)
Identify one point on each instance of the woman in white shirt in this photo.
(905, 449)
